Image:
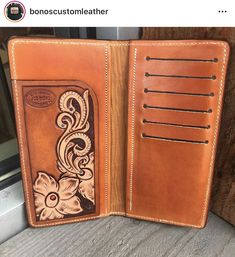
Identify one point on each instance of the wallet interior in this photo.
(117, 127)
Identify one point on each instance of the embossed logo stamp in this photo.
(40, 98)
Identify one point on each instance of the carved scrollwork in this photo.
(75, 162)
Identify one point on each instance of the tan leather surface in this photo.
(169, 179)
(57, 82)
(59, 62)
(119, 55)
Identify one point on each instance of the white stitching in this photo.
(213, 151)
(106, 127)
(13, 60)
(65, 221)
(75, 220)
(163, 221)
(176, 44)
(117, 213)
(134, 43)
(132, 127)
(23, 167)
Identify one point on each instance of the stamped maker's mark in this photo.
(40, 98)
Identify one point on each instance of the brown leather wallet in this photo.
(117, 127)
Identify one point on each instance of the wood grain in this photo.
(122, 237)
(223, 193)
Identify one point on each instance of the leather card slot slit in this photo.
(213, 77)
(176, 109)
(148, 58)
(176, 124)
(177, 93)
(175, 139)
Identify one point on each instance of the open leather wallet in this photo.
(117, 127)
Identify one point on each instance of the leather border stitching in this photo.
(133, 127)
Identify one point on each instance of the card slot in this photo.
(178, 85)
(209, 77)
(176, 124)
(162, 165)
(197, 119)
(175, 132)
(146, 90)
(177, 109)
(174, 139)
(213, 60)
(185, 51)
(184, 70)
(178, 102)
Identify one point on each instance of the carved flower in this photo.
(55, 199)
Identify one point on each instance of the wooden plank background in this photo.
(223, 193)
(123, 237)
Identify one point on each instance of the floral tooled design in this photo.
(55, 199)
(74, 145)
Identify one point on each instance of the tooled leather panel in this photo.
(175, 99)
(62, 144)
(73, 192)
